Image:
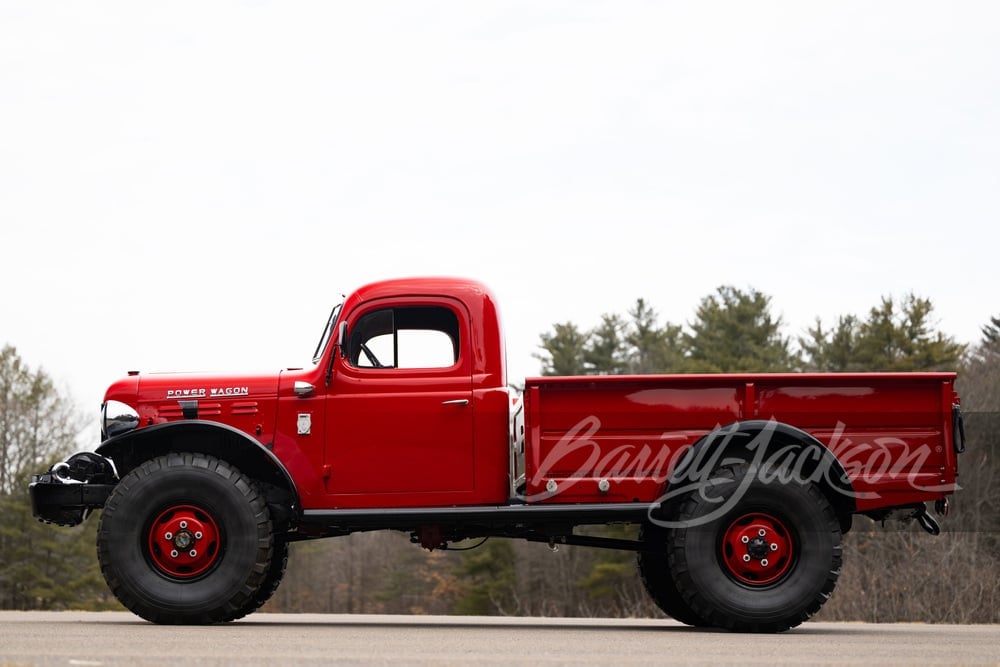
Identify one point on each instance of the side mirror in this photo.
(341, 344)
(342, 339)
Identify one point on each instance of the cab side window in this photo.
(411, 337)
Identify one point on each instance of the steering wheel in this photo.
(370, 356)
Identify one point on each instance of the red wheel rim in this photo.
(757, 549)
(184, 541)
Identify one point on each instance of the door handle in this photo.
(457, 401)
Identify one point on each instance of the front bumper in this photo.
(71, 490)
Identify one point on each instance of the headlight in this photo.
(117, 418)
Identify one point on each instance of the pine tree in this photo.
(652, 349)
(835, 350)
(564, 350)
(734, 331)
(892, 338)
(991, 336)
(604, 353)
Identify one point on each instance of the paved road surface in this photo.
(76, 639)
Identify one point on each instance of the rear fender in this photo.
(780, 449)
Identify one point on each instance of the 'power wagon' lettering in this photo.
(230, 391)
(214, 391)
(185, 393)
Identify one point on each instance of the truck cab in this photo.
(414, 398)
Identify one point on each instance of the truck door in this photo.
(400, 407)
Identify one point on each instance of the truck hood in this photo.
(172, 387)
(244, 401)
(204, 386)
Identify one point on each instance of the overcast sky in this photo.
(192, 185)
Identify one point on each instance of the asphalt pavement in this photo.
(81, 639)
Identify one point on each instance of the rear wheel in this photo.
(655, 574)
(752, 554)
(186, 538)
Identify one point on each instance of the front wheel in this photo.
(186, 538)
(267, 588)
(753, 554)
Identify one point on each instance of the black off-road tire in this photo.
(275, 573)
(220, 555)
(732, 579)
(654, 571)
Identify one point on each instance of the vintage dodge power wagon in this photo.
(741, 486)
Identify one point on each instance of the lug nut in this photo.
(168, 536)
(746, 558)
(193, 553)
(198, 536)
(763, 562)
(174, 554)
(762, 532)
(774, 547)
(744, 539)
(184, 524)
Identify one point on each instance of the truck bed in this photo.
(617, 438)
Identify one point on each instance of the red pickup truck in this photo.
(742, 485)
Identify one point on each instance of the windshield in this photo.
(327, 332)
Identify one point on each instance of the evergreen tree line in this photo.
(734, 330)
(891, 573)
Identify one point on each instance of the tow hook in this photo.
(84, 468)
(927, 522)
(61, 473)
(942, 507)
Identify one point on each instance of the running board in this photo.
(493, 516)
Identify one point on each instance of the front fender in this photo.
(129, 450)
